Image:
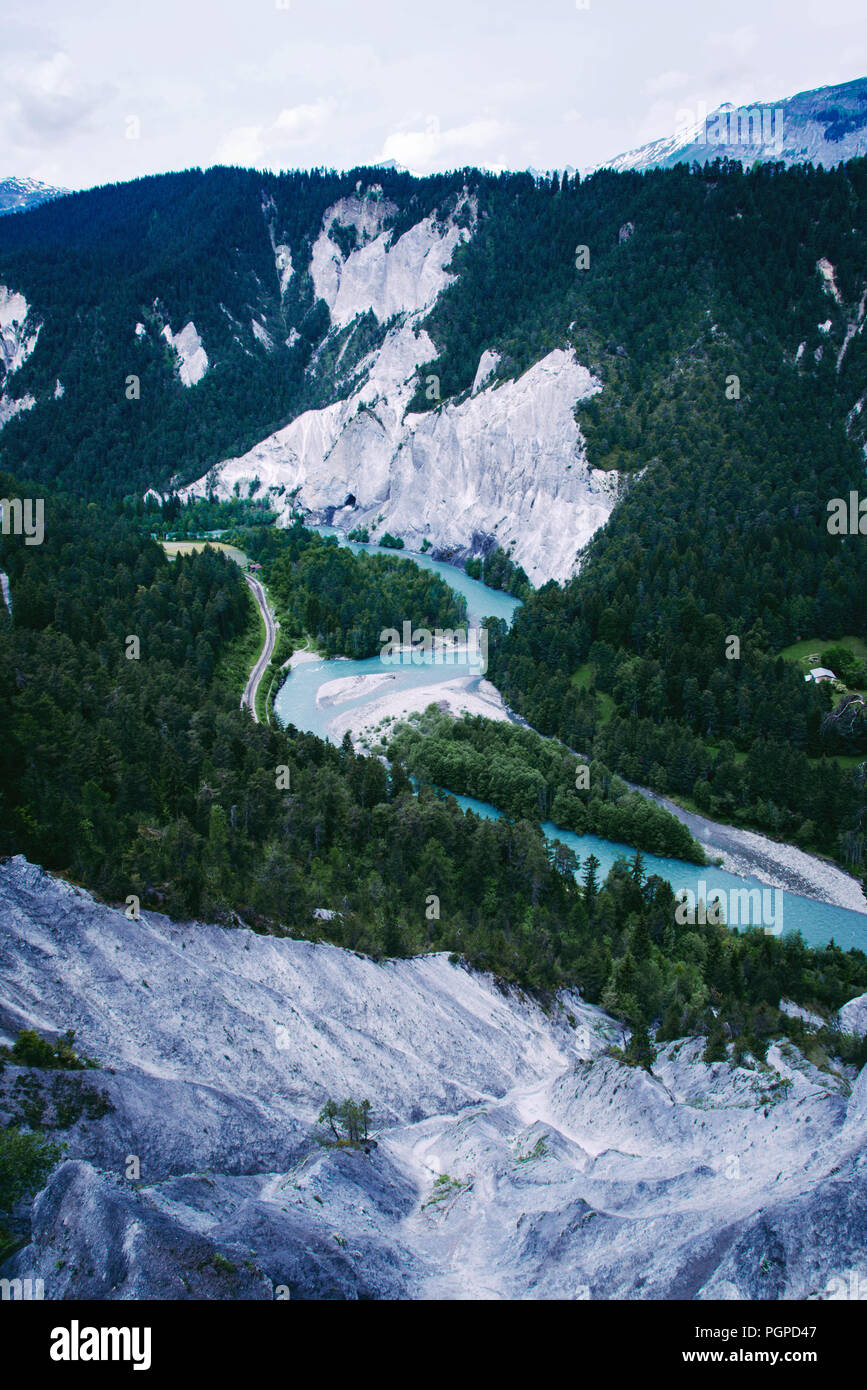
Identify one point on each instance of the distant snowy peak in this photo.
(825, 126)
(17, 195)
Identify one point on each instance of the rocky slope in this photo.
(505, 465)
(514, 1155)
(18, 337)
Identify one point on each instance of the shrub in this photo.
(25, 1163)
(32, 1050)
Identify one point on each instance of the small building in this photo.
(820, 673)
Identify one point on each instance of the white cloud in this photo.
(671, 81)
(424, 150)
(300, 122)
(737, 42)
(49, 101)
(262, 145)
(326, 84)
(243, 145)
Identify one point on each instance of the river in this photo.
(812, 893)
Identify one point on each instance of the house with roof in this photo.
(820, 673)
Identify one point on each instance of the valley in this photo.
(431, 619)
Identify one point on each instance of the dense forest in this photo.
(174, 519)
(730, 378)
(526, 775)
(499, 571)
(166, 250)
(131, 769)
(343, 601)
(141, 775)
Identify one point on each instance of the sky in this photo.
(95, 91)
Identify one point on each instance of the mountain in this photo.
(383, 351)
(513, 1156)
(270, 331)
(825, 126)
(16, 195)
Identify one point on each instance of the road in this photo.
(248, 699)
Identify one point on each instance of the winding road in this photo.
(248, 699)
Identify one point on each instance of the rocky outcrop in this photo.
(853, 1016)
(514, 1155)
(18, 337)
(507, 462)
(191, 355)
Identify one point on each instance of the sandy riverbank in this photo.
(303, 658)
(351, 688)
(463, 695)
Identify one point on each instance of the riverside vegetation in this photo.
(144, 777)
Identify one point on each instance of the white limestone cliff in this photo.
(192, 358)
(506, 465)
(18, 338)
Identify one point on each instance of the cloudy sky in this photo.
(96, 90)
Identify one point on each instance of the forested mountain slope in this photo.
(473, 359)
(410, 353)
(139, 775)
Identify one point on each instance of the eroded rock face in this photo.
(18, 338)
(853, 1016)
(93, 1238)
(381, 274)
(192, 358)
(508, 462)
(514, 1156)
